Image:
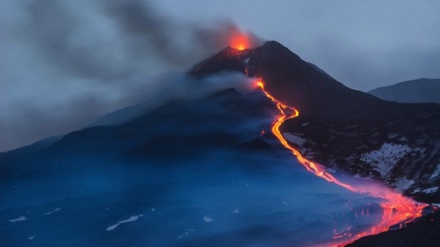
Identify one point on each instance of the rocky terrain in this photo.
(422, 232)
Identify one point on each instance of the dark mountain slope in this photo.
(179, 131)
(210, 114)
(191, 172)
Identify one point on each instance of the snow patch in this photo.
(131, 219)
(403, 139)
(331, 170)
(295, 139)
(430, 190)
(305, 124)
(207, 219)
(417, 190)
(384, 158)
(53, 211)
(21, 218)
(186, 234)
(436, 173)
(236, 211)
(31, 237)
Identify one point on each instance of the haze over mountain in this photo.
(415, 91)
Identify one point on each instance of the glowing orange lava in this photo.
(240, 42)
(397, 209)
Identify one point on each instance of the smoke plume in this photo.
(64, 63)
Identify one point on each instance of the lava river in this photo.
(397, 209)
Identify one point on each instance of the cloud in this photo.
(64, 63)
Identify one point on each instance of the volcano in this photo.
(342, 128)
(217, 170)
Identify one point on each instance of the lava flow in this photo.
(397, 209)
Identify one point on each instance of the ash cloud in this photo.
(65, 63)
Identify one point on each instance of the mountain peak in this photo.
(275, 46)
(294, 81)
(272, 44)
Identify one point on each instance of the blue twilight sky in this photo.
(64, 63)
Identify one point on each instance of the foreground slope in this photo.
(188, 173)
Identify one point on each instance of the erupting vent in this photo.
(240, 41)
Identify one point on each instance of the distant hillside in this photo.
(415, 91)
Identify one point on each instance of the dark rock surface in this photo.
(423, 232)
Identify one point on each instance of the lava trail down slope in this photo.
(397, 209)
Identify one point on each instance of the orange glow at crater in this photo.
(240, 41)
(397, 209)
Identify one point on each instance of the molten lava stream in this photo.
(397, 209)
